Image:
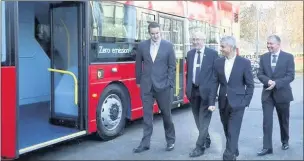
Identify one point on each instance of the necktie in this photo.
(198, 69)
(273, 62)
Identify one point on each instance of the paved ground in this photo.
(250, 141)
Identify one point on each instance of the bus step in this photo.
(66, 122)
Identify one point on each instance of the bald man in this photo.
(200, 62)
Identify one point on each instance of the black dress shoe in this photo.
(285, 146)
(233, 158)
(264, 152)
(169, 147)
(140, 149)
(207, 145)
(229, 157)
(237, 153)
(197, 152)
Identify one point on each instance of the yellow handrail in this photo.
(75, 81)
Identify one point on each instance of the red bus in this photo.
(67, 68)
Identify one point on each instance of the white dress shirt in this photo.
(154, 49)
(228, 67)
(277, 54)
(195, 60)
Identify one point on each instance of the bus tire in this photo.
(111, 112)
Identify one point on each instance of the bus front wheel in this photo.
(111, 112)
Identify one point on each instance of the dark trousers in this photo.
(283, 116)
(202, 117)
(164, 101)
(232, 121)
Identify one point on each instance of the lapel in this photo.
(205, 56)
(268, 62)
(222, 68)
(191, 62)
(148, 50)
(158, 51)
(233, 70)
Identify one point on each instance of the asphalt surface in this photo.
(250, 142)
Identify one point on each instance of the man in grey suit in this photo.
(155, 75)
(276, 72)
(200, 62)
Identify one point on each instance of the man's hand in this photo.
(138, 85)
(211, 108)
(270, 82)
(271, 85)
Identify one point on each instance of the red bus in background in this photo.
(68, 68)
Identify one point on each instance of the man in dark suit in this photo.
(200, 62)
(155, 75)
(276, 72)
(234, 75)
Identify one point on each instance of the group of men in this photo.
(206, 71)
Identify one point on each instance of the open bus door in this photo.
(41, 99)
(61, 116)
(9, 82)
(66, 30)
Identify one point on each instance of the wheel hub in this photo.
(111, 112)
(114, 111)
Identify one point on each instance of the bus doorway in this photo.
(50, 73)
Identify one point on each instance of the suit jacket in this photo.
(240, 86)
(161, 72)
(206, 71)
(283, 75)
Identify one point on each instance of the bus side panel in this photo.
(8, 112)
(95, 87)
(126, 75)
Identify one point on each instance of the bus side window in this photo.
(165, 25)
(196, 25)
(142, 23)
(113, 31)
(3, 45)
(8, 30)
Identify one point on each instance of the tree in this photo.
(282, 18)
(291, 17)
(247, 22)
(249, 19)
